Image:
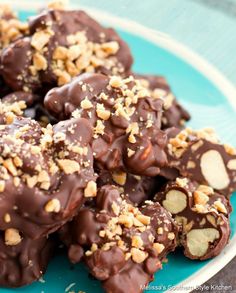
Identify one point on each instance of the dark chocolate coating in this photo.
(25, 262)
(198, 214)
(18, 57)
(174, 114)
(38, 206)
(111, 265)
(137, 188)
(111, 149)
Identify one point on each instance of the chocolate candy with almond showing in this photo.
(201, 213)
(200, 156)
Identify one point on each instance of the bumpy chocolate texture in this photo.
(126, 121)
(10, 27)
(202, 214)
(32, 107)
(22, 260)
(124, 245)
(199, 155)
(61, 45)
(174, 114)
(45, 174)
(137, 188)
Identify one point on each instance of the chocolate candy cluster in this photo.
(97, 157)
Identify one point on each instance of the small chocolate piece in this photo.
(137, 188)
(63, 44)
(45, 174)
(200, 156)
(174, 114)
(22, 260)
(126, 121)
(122, 243)
(202, 214)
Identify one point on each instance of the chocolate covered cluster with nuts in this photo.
(123, 245)
(22, 260)
(125, 119)
(45, 174)
(62, 44)
(202, 214)
(199, 155)
(174, 115)
(100, 156)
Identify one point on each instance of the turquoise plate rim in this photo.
(198, 63)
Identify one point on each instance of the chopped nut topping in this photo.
(102, 112)
(7, 218)
(137, 241)
(126, 220)
(200, 198)
(86, 104)
(138, 255)
(39, 62)
(40, 39)
(110, 47)
(205, 189)
(12, 237)
(168, 101)
(53, 206)
(68, 166)
(143, 219)
(220, 206)
(99, 128)
(119, 177)
(182, 182)
(133, 129)
(160, 231)
(8, 164)
(158, 247)
(60, 53)
(130, 152)
(115, 208)
(115, 81)
(91, 189)
(57, 4)
(229, 149)
(171, 236)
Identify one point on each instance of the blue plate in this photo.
(206, 94)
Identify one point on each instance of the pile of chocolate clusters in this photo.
(100, 157)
